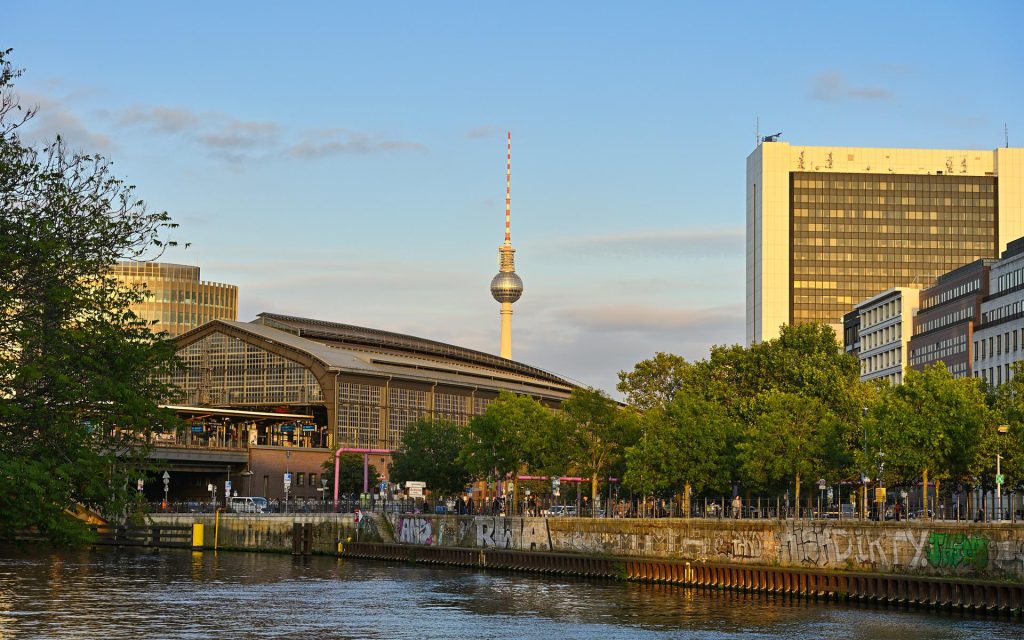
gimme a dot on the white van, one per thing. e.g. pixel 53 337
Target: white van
pixel 240 504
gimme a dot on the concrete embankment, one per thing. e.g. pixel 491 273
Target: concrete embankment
pixel 275 533
pixel 990 551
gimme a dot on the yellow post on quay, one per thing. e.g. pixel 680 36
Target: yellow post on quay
pixel 197 536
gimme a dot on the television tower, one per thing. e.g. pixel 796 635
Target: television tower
pixel 507 287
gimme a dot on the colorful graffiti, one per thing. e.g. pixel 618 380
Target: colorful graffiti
pixel 957 550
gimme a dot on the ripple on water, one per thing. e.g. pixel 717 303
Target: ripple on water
pixel 174 594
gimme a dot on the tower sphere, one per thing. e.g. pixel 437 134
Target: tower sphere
pixel 507 286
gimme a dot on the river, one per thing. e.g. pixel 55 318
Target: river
pixel 180 594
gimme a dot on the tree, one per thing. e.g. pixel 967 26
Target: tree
pixel 688 446
pixel 350 473
pixel 79 373
pixel 1007 400
pixel 788 441
pixel 931 424
pixel 430 452
pixel 595 432
pixel 512 434
pixel 653 382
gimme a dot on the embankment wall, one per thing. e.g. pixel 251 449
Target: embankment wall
pixel 963 550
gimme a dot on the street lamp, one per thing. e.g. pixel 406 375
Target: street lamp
pixel 167 486
pixel 248 473
pixel 1002 430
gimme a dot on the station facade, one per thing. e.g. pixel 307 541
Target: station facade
pixel 340 386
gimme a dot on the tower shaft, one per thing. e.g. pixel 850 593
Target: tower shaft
pixel 506 330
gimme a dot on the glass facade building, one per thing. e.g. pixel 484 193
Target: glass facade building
pixel 177 299
pixel 364 387
pixel 829 227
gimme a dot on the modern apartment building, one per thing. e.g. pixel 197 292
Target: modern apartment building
pixel 828 227
pixel 885 329
pixel 950 310
pixel 178 300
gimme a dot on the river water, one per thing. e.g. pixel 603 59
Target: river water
pixel 180 594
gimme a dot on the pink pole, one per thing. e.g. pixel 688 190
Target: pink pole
pixel 366 466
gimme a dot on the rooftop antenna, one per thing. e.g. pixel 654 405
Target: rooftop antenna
pixel 508 193
pixel 757 131
pixel 1006 136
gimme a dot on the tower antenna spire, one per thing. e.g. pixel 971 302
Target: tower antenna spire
pixel 508 193
pixel 507 286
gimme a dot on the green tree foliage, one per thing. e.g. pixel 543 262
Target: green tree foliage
pixel 1007 401
pixel 690 441
pixel 595 432
pixel 653 383
pixel 430 452
pixel 512 434
pixel 350 474
pixel 78 383
pixel 788 441
pixel 931 424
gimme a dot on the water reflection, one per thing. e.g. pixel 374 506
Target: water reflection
pixel 175 594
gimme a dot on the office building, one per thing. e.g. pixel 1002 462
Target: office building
pixel 999 337
pixel 177 299
pixel 944 325
pixel 885 327
pixel 828 227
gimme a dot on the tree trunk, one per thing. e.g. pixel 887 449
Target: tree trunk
pixel 924 494
pixel 593 495
pixel 937 502
pixel 797 501
pixel 686 500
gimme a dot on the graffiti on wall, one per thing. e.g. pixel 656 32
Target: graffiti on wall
pixel 957 550
pixel 415 531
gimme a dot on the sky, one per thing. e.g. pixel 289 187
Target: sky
pixel 346 162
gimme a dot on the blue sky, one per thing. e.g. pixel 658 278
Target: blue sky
pixel 346 162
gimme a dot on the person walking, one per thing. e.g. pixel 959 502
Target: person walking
pixel 737 506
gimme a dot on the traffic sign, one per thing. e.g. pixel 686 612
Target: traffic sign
pixel 288 481
pixel 999 479
pixel 227 487
pixel 822 484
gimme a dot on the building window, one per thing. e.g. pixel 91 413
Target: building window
pixel 312 479
pixel 300 479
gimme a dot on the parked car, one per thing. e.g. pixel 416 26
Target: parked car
pixel 561 511
pixel 245 504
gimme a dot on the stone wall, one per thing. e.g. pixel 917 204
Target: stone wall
pixel 274 532
pixel 965 550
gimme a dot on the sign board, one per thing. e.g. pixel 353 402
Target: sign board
pixel 197 429
pixel 287 428
pixel 308 427
pixel 140 484
pixel 409 484
pixel 1000 478
pixel 227 487
pixel 879 494
pixel 383 487
pixel 415 492
pixel 822 484
pixel 555 484
pixel 288 481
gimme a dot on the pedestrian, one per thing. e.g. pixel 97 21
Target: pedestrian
pixel 737 506
pixel 981 515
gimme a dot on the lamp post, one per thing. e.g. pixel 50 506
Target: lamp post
pixel 1001 430
pixel 167 486
pixel 248 473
